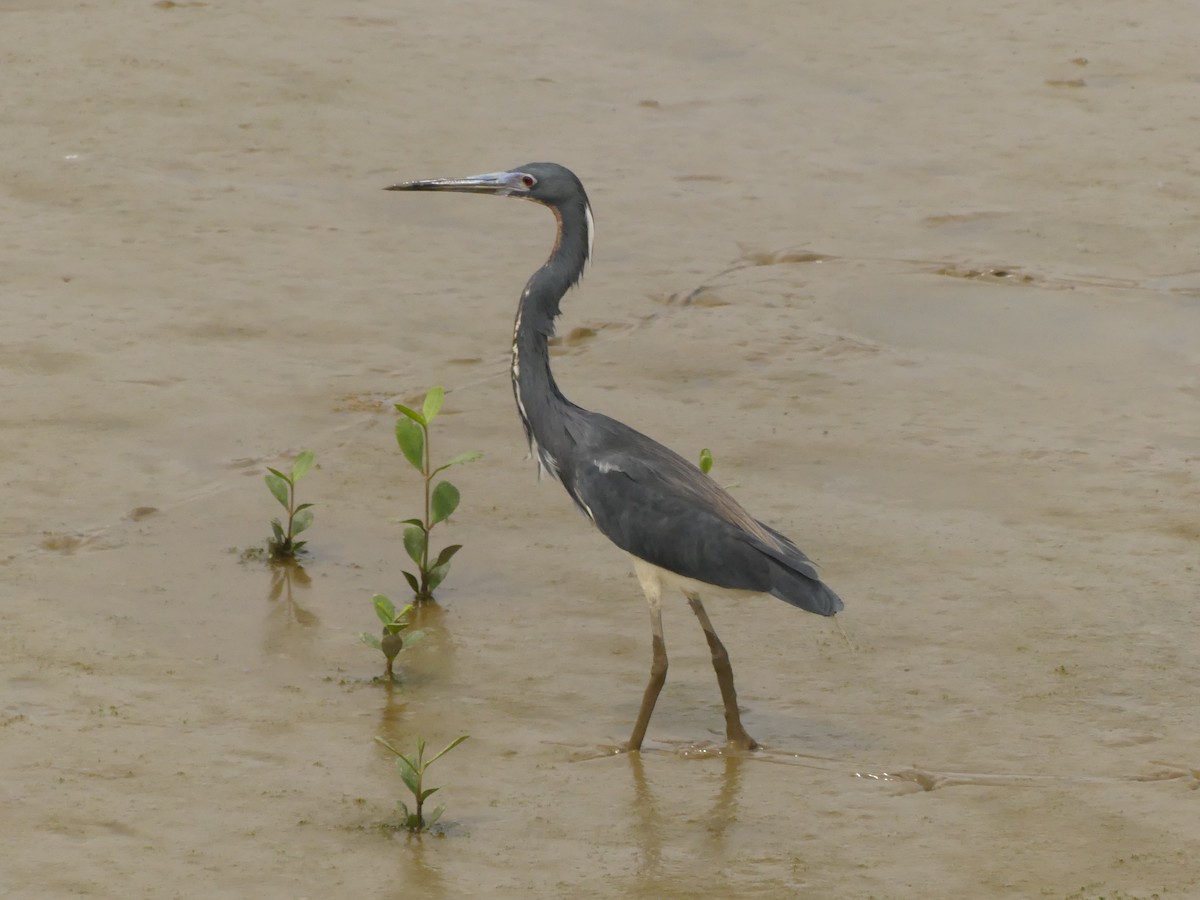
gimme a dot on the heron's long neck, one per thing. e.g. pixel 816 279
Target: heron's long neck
pixel 544 410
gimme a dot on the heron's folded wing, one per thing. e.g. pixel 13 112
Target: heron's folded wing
pixel 672 529
pixel 680 520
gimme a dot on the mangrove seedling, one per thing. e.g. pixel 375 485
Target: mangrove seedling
pixel 441 499
pixel 396 636
pixel 283 545
pixel 706 464
pixel 412 770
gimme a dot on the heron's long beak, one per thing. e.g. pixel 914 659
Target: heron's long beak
pixel 501 183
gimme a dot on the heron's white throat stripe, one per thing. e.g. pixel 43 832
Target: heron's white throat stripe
pixel 579 501
pixel 590 224
pixel 545 462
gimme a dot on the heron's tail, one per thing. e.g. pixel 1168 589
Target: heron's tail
pixel 802 590
pixel 794 577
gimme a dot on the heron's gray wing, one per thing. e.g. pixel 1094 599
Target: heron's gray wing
pixel 674 516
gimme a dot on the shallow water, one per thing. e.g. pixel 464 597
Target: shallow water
pixel 926 285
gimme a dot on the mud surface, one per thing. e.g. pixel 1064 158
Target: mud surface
pixel 926 283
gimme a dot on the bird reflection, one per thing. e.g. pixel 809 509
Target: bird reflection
pixel 650 824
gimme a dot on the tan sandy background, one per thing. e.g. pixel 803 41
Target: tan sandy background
pixel 922 275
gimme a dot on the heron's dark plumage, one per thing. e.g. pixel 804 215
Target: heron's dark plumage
pixel 637 491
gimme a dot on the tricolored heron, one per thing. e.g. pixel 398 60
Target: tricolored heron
pixel 681 528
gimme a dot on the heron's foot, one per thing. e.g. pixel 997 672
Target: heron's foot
pixel 743 742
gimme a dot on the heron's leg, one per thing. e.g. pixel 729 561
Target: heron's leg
pixel 658 664
pixel 658 677
pixel 720 658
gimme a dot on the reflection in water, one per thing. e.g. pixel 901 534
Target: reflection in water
pixel 725 807
pixel 287 620
pixel 283 577
pixel 431 619
pixel 391 715
pixel 427 666
pixel 421 877
pixel 649 824
pixel 422 671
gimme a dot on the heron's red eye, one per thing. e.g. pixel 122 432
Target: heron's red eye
pixel 528 180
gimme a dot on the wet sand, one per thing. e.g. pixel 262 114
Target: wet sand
pixel 926 285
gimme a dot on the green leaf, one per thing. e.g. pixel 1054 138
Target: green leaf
pixel 412 637
pixel 431 819
pixel 391 645
pixel 433 403
pixel 443 502
pixel 416 522
pixel 411 413
pixel 384 608
pixel 279 487
pixel 384 742
pixel 437 575
pixel 446 555
pixel 454 743
pixel 370 640
pixel 706 460
pixel 425 793
pixel 411 438
pixel 469 456
pixel 302 520
pixel 409 773
pixel 303 506
pixel 277 528
pixel 300 467
pixel 414 543
pixel 412 582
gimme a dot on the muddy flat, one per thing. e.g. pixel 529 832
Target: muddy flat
pixel 925 283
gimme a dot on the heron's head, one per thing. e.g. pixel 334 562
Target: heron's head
pixel 547 183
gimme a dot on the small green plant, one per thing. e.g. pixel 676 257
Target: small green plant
pixel 441 499
pixel 284 546
pixel 412 770
pixel 396 636
pixel 706 464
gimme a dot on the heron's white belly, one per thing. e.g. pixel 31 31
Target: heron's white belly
pixel 655 580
